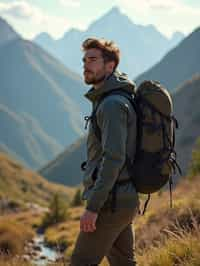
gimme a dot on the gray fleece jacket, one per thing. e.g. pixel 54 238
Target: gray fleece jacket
pixel 116 119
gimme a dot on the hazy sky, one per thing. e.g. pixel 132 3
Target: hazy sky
pixel 30 17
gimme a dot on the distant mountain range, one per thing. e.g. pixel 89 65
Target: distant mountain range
pixel 41 106
pixel 178 65
pixel 185 62
pixel 141 46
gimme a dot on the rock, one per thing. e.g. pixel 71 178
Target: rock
pixel 33 253
pixel 60 258
pixel 50 261
pixel 43 257
pixel 37 248
pixel 26 257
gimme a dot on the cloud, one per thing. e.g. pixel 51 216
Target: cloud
pixel 154 5
pixel 32 19
pixel 70 3
pixel 167 15
pixel 15 9
pixel 21 10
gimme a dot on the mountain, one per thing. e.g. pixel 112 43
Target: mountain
pixel 186 109
pixel 41 102
pixel 44 39
pixel 176 38
pixel 22 136
pixel 7 33
pixel 20 184
pixel 65 168
pixel 141 46
pixel 179 65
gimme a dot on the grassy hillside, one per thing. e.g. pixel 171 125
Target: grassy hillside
pixel 23 185
pixel 164 236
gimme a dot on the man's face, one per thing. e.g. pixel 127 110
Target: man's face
pixel 95 69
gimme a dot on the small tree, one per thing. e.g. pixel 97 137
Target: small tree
pixel 194 168
pixel 77 200
pixel 58 211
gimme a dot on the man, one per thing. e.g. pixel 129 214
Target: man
pixel 104 231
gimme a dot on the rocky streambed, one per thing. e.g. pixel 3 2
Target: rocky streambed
pixel 39 253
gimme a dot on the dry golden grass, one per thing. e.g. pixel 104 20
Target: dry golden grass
pixel 13 237
pixel 29 219
pixel 65 232
pixel 19 183
pixel 164 236
pixel 150 227
pixel 10 261
pixel 181 247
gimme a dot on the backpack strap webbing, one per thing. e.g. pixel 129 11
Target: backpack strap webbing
pixel 146 204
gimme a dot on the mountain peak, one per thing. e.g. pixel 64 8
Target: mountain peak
pixel 71 33
pixel 43 36
pixel 177 35
pixel 113 13
pixel 115 10
pixel 110 18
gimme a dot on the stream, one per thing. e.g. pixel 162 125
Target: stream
pixel 40 254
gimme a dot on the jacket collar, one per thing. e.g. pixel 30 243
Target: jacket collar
pixel 115 81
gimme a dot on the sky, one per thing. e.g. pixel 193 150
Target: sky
pixel 30 17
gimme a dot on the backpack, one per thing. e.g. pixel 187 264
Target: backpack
pixel 155 159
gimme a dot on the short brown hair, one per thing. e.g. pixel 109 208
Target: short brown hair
pixel 109 49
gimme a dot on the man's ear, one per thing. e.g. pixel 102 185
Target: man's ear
pixel 110 66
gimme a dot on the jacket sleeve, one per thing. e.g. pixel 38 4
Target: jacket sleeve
pixel 112 120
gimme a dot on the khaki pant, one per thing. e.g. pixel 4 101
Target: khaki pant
pixel 113 238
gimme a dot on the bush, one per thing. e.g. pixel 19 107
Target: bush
pixel 58 211
pixel 77 200
pixel 194 168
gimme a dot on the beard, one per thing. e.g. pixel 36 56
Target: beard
pixel 94 79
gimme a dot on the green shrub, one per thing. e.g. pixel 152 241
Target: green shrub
pixel 77 200
pixel 58 211
pixel 194 168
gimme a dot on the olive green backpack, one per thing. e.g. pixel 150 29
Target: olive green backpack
pixel 155 160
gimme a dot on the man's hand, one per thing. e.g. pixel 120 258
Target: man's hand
pixel 88 221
